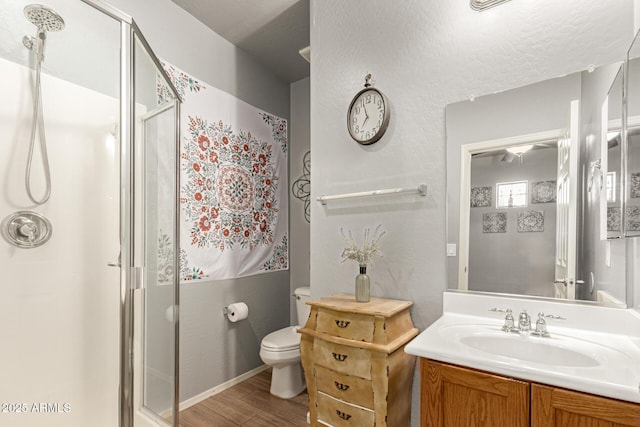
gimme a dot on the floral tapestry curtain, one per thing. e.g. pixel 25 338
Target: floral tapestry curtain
pixel 233 195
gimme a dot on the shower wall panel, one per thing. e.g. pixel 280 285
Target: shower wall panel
pixel 59 302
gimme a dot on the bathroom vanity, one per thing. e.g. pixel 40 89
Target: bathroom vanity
pixel 456 396
pixel 476 371
pixel 356 369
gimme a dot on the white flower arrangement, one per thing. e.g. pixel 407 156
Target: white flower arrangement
pixel 363 256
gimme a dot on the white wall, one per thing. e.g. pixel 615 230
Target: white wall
pixel 212 350
pixel 299 228
pixel 425 55
pixel 58 302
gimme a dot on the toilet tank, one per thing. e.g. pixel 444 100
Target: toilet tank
pixel 302 295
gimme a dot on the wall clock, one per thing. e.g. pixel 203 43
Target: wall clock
pixel 368 114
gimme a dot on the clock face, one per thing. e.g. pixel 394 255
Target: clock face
pixel 368 116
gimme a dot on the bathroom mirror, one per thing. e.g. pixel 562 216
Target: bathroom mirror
pixel 632 172
pixel 605 174
pixel 514 227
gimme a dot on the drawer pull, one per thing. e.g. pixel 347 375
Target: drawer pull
pixel 342 323
pixel 340 386
pixel 343 415
pixel 339 357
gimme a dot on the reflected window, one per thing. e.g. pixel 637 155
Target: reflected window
pixel 511 194
pixel 611 187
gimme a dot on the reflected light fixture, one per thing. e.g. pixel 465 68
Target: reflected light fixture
pixel 520 149
pixel 481 5
pixel 611 136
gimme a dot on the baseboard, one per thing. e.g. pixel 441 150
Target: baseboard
pixel 220 388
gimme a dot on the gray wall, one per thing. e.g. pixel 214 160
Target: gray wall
pixel 299 250
pixel 213 350
pixel 424 55
pixel 538 107
pixel 513 262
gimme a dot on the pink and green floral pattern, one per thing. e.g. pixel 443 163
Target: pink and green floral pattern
pixel 165 258
pixel 181 81
pixel 278 128
pixel 230 189
pixel 279 258
pixel 187 272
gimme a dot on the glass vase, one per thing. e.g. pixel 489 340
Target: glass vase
pixel 363 287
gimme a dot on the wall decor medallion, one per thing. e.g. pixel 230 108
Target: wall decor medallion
pixel 494 222
pixel 635 185
pixel 633 218
pixel 368 114
pixel 530 221
pixel 481 197
pixel 543 192
pixel 301 187
pixel 613 219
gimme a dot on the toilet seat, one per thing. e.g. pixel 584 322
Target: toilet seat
pixel 285 339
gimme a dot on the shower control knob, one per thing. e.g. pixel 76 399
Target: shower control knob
pixel 29 230
pixel 26 229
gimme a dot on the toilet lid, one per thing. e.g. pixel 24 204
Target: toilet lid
pixel 282 340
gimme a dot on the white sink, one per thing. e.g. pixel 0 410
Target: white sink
pixel 532 350
pixel 593 362
pixel 558 350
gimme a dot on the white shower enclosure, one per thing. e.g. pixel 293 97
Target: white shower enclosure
pixel 89 315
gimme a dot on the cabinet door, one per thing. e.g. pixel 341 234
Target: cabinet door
pixel 552 407
pixel 458 397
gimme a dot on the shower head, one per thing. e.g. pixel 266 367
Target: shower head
pixel 44 18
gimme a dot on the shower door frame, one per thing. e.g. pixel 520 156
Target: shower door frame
pixel 131 271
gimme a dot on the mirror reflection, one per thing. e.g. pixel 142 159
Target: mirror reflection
pixel 521 216
pixel 512 219
pixel 610 177
pixel 632 190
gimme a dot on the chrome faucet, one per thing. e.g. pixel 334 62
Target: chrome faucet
pixel 541 326
pixel 508 322
pixel 524 323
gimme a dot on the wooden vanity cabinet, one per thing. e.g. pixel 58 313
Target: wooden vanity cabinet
pixel 455 396
pixel 557 407
pixel 356 370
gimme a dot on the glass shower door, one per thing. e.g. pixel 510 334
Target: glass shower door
pixel 156 112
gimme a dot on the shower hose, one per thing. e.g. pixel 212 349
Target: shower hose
pixel 37 124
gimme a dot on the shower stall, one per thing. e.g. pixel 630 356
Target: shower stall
pixel 88 208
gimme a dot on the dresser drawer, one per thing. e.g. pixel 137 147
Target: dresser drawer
pixel 341 358
pixel 338 414
pixel 356 327
pixel 345 387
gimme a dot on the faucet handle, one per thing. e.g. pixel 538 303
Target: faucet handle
pixel 541 326
pixel 508 321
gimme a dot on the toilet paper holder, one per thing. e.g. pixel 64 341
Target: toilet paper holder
pixel 236 311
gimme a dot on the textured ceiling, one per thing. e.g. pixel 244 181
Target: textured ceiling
pixel 272 31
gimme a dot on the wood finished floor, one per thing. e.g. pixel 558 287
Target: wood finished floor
pixel 248 404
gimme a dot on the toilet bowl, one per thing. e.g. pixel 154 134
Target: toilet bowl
pixel 281 351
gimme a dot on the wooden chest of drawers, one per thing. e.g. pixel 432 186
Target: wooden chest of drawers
pixel 354 362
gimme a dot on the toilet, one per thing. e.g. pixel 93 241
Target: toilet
pixel 281 351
